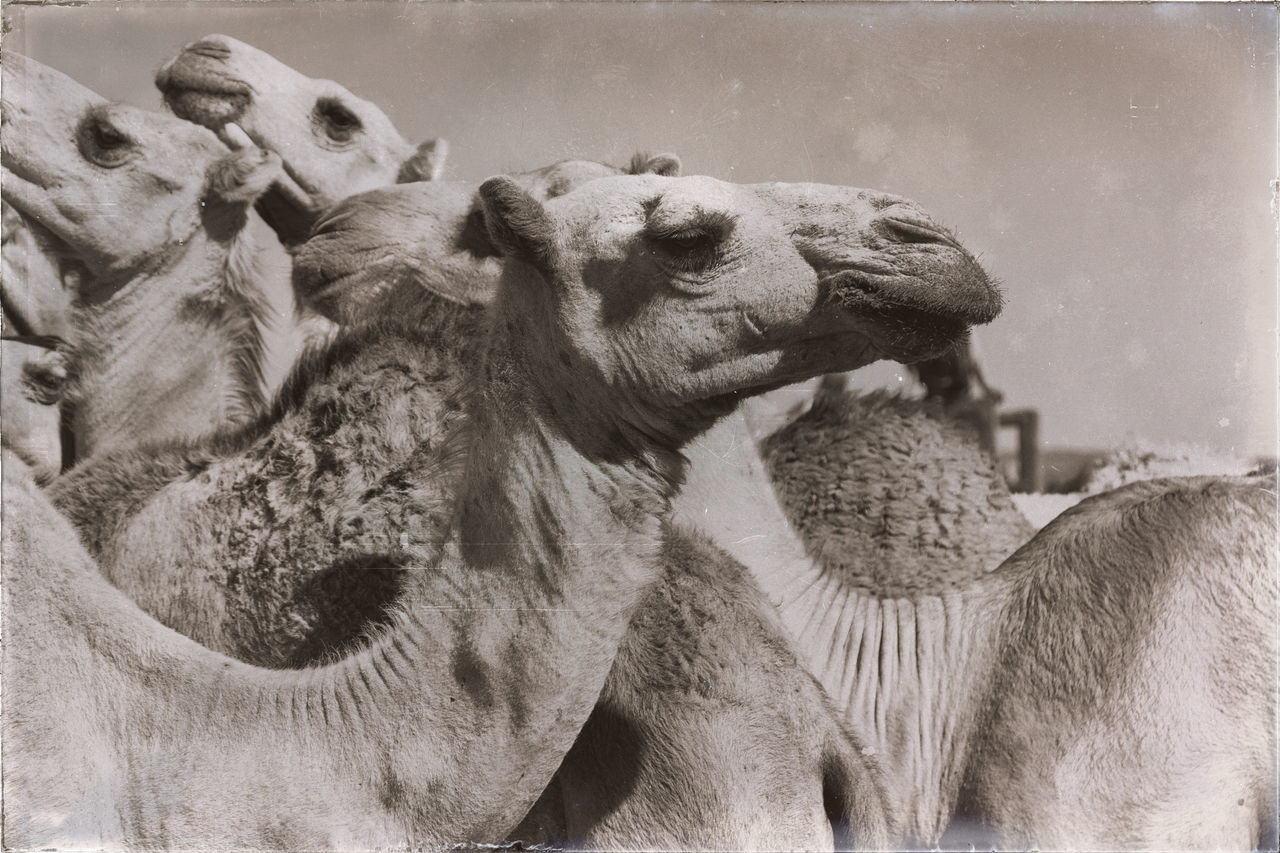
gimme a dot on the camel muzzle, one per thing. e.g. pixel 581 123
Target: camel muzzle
pixel 914 304
pixel 196 86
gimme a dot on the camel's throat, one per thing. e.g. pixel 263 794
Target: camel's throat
pixel 146 366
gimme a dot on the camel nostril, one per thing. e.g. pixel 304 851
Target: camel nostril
pixel 905 230
pixel 210 49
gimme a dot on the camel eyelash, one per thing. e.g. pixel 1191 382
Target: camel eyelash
pixel 337 121
pixel 694 245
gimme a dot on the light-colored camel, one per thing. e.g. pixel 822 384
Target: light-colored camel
pixel 1131 701
pixel 333 143
pixel 165 337
pixel 452 720
pixel 376 518
pixel 929 505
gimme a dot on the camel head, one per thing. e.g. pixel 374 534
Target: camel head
pixel 333 143
pixel 426 235
pixel 664 300
pixel 119 191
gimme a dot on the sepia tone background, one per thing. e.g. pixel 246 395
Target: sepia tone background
pixel 1110 163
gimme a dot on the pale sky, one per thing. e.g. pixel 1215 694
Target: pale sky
pixel 1110 163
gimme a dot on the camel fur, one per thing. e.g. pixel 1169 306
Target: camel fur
pixel 1131 695
pixel 272 554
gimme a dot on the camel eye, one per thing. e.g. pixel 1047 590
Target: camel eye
pixel 336 121
pixel 690 249
pixel 103 143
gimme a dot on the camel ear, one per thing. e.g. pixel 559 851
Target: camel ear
pixel 667 165
pixel 232 186
pixel 517 223
pixel 426 164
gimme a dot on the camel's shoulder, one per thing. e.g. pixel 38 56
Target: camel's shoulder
pixel 704 631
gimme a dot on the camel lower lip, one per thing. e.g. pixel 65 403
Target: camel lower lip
pixel 211 109
pixel 955 293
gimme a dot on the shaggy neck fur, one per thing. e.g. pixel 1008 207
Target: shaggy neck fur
pixel 174 353
pixel 900 648
pixel 492 661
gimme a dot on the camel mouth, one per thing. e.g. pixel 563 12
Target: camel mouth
pixel 196 89
pixel 288 211
pixel 210 109
pixel 910 318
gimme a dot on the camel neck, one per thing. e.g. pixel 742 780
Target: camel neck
pixel 173 354
pixel 499 648
pixel 903 667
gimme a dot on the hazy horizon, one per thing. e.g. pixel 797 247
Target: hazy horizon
pixel 1110 163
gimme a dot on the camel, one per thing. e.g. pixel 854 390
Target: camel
pixel 374 518
pixel 569 459
pixel 333 143
pixel 889 452
pixel 753 527
pixel 165 336
pixel 909 522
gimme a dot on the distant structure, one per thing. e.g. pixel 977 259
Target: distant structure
pixel 954 379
